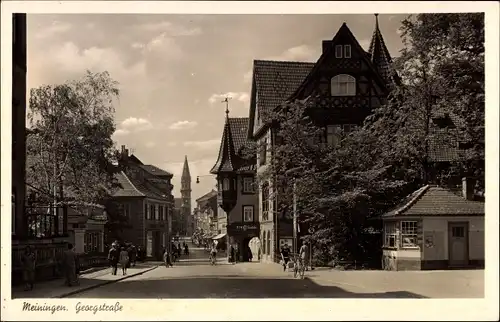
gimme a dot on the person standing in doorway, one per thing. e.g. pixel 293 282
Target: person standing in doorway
pixel 231 254
pixel 28 261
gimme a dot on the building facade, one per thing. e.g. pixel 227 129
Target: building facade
pixel 420 236
pixel 344 86
pixel 237 197
pixel 144 195
pixel 205 213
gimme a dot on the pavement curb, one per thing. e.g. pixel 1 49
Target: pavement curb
pixel 102 284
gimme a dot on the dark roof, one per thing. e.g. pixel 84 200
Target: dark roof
pixel 276 81
pixel 185 169
pixel 436 201
pixel 226 160
pixel 154 170
pixel 381 58
pixel 239 129
pixel 125 188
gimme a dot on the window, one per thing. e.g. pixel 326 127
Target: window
pixel 343 85
pixel 348 128
pixel 409 234
pixel 146 210
pixel 157 212
pixel 338 51
pixel 390 234
pixel 265 201
pixel 263 152
pixel 347 51
pixel 92 242
pixel 225 184
pixel 333 135
pixel 248 213
pixel 126 210
pixel 264 242
pixel 458 232
pixel 248 185
pixel 160 210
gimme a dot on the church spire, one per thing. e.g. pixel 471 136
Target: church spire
pixel 185 171
pixel 380 56
pixel 227 156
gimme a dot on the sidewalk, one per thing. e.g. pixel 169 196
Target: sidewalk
pixel 93 279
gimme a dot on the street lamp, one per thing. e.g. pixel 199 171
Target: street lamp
pixel 207 175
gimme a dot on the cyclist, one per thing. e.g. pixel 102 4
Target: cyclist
pixel 285 256
pixel 213 254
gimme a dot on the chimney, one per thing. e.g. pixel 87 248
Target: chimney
pixel 468 185
pixel 326 44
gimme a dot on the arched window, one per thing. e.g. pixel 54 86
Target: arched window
pixel 268 243
pixel 225 184
pixel 343 85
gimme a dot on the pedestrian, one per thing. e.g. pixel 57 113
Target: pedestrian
pixel 71 266
pixel 124 258
pixel 231 254
pixel 28 261
pixel 132 252
pixel 113 257
pixel 249 251
pixel 166 258
pixel 236 253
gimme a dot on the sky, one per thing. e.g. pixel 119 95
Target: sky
pixel 174 70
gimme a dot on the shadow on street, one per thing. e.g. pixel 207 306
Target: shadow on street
pixel 230 286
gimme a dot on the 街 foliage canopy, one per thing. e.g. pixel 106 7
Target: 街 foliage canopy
pixel 342 190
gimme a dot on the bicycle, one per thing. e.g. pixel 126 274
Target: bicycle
pixel 299 268
pixel 212 259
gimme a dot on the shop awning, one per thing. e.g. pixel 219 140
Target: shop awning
pixel 219 236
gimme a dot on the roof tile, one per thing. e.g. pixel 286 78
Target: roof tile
pixel 435 201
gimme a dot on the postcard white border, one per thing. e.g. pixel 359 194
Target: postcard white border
pixel 267 309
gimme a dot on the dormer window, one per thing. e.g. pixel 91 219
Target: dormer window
pixel 343 51
pixel 343 85
pixel 225 184
pixel 347 51
pixel 338 51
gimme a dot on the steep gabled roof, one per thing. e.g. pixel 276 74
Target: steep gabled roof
pixel 273 82
pixel 226 160
pixel 344 31
pixel 381 58
pixel 125 187
pixel 154 170
pixel 436 201
pixel 239 128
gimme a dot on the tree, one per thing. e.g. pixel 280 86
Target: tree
pixel 336 197
pixel 69 145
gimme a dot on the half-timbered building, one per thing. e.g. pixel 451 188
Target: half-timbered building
pixel 345 85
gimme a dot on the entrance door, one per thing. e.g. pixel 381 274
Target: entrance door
pixel 246 249
pixel 458 244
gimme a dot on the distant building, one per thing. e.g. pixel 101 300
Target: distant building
pixel 237 197
pixel 144 194
pixel 205 213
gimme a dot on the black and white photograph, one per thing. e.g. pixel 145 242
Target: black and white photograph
pixel 248 155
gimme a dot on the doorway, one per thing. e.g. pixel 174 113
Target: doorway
pixel 245 251
pixel 458 244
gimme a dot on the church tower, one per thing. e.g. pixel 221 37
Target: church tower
pixel 186 197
